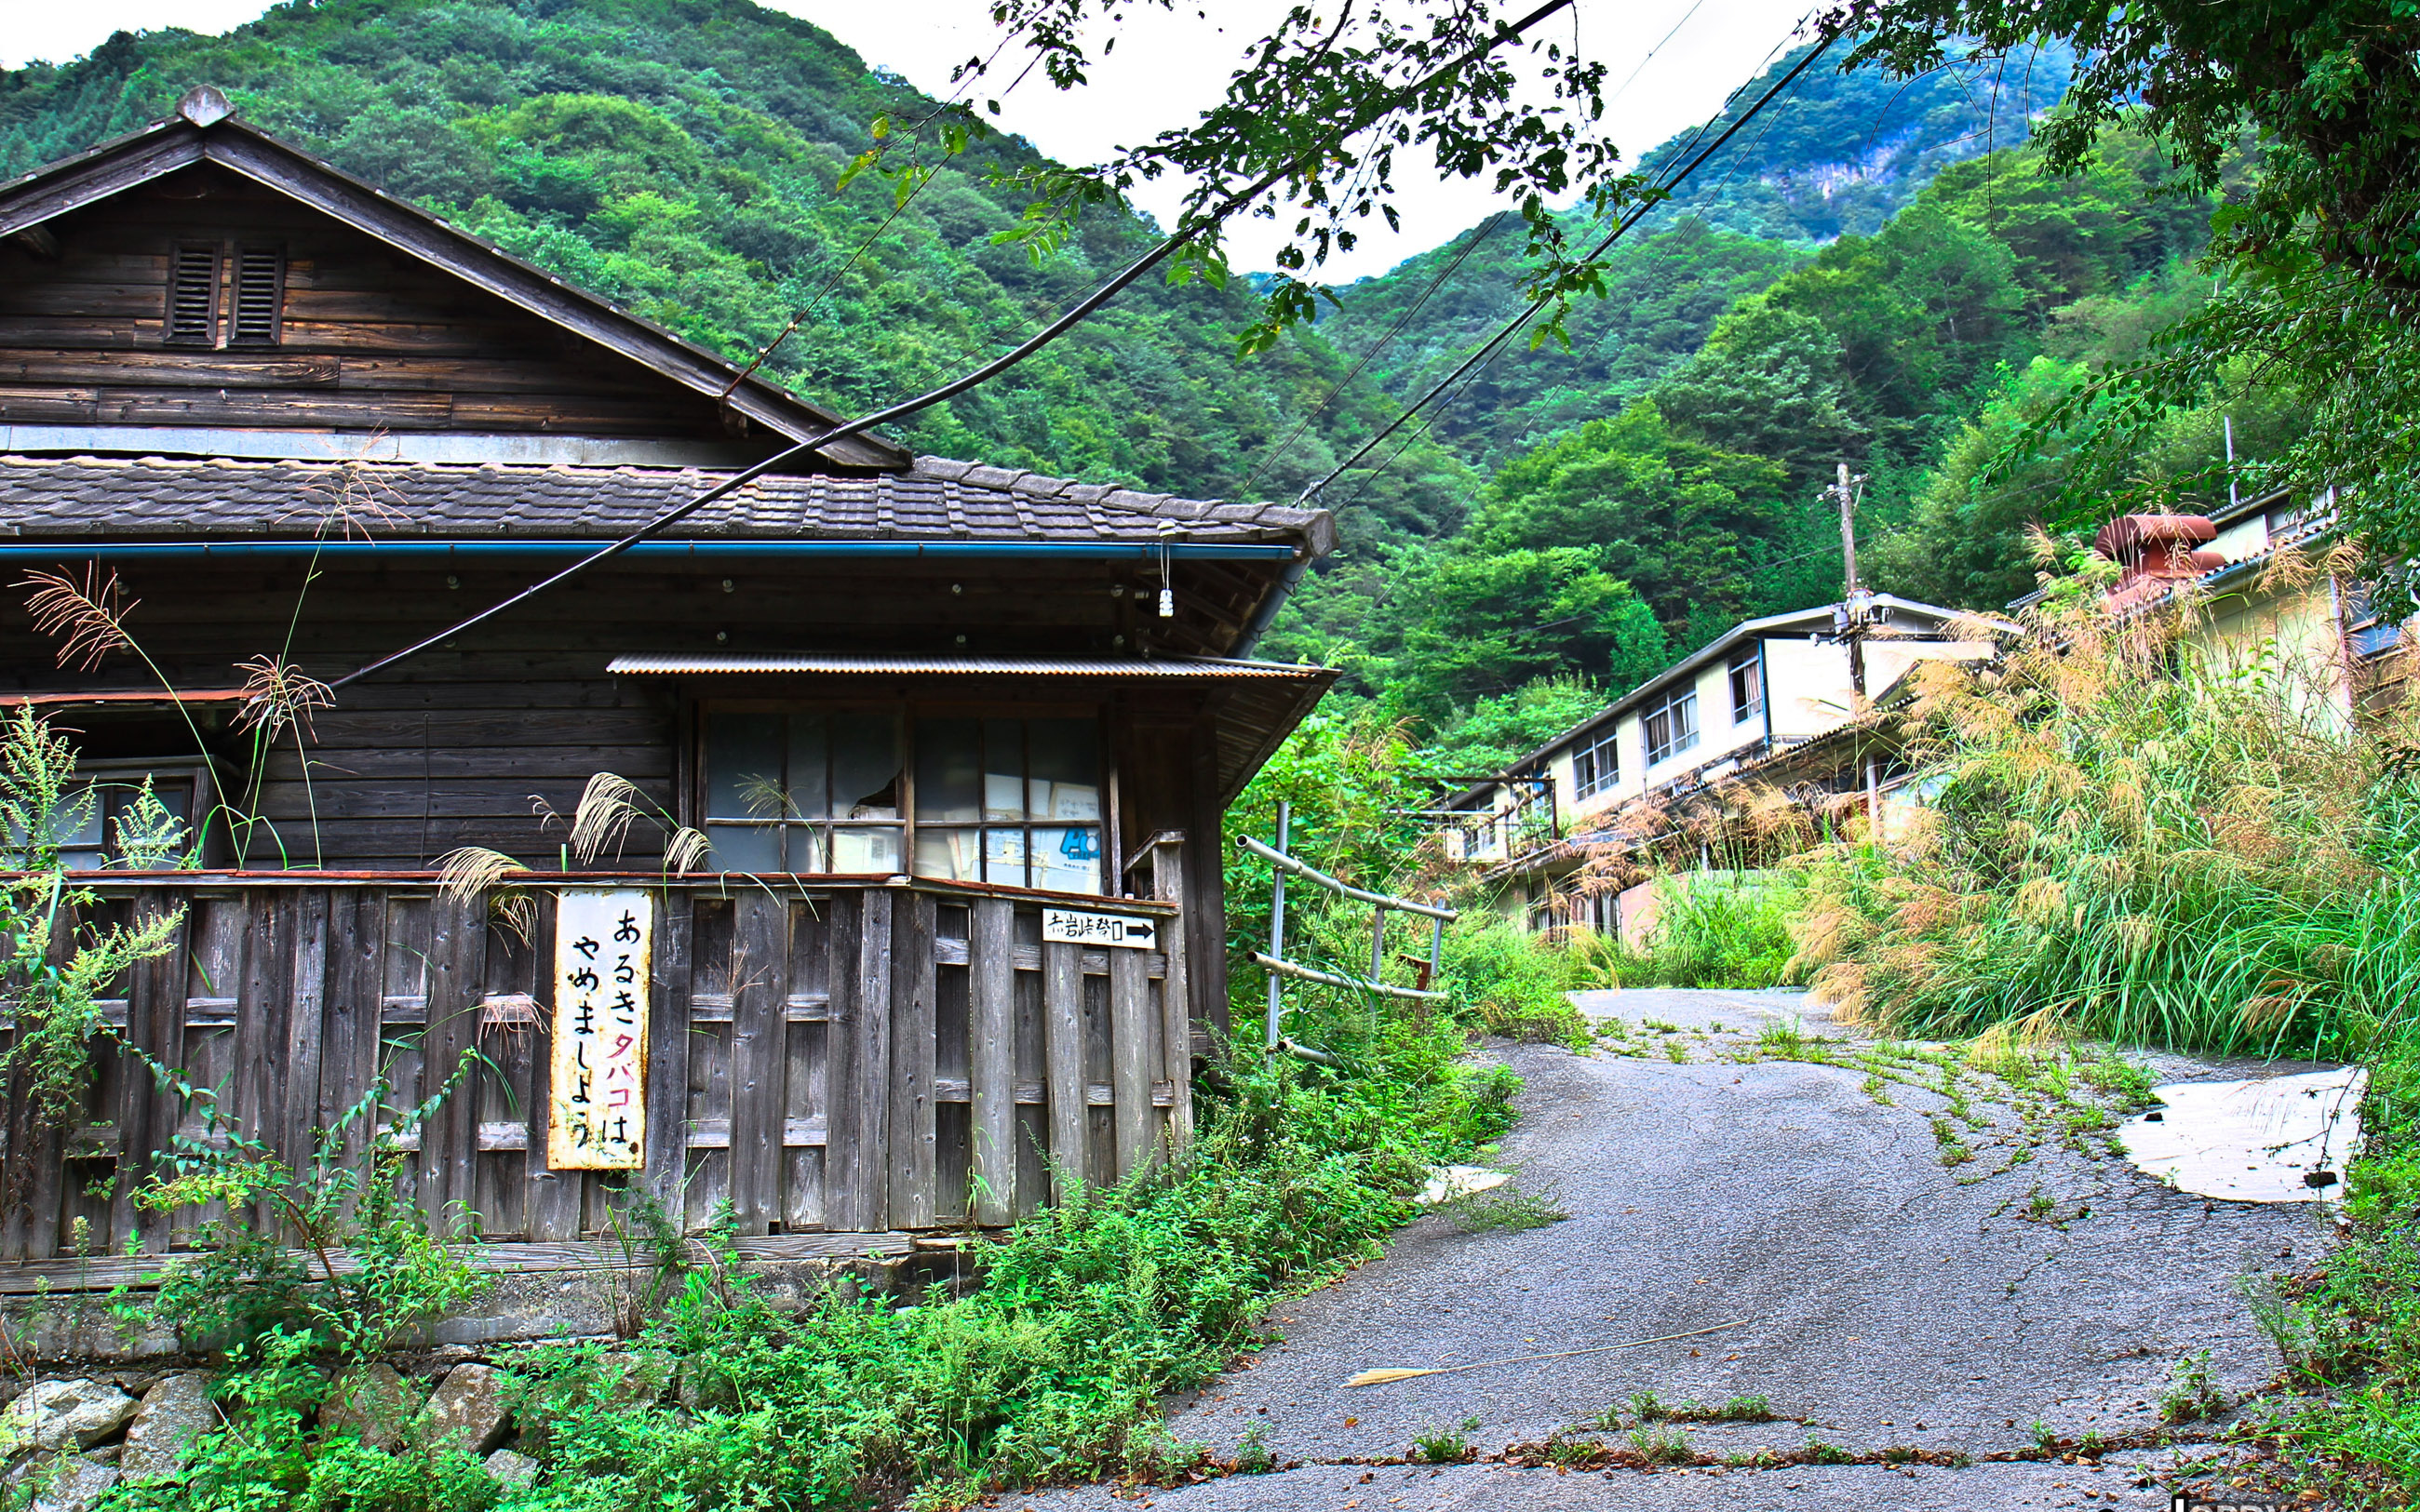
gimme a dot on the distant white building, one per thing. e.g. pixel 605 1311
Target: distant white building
pixel 1763 689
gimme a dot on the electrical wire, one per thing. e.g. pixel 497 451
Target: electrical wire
pixel 1068 321
pixel 1621 228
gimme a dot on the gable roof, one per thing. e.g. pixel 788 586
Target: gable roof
pixel 216 499
pixel 205 131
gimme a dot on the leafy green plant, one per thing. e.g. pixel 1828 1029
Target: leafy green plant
pixel 1711 929
pixel 1252 1456
pixel 351 1200
pixel 2192 1393
pixel 1445 1447
pixel 1661 1446
pixel 57 967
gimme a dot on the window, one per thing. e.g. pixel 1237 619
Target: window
pixel 104 820
pixel 1597 765
pixel 1747 684
pixel 1007 800
pixel 1672 723
pixel 241 290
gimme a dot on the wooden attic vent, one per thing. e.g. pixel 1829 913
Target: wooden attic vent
pixel 194 295
pixel 259 296
pixel 252 296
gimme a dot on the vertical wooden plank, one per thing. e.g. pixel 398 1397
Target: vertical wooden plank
pixel 991 1038
pixel 667 1052
pixel 915 1151
pixel 760 992
pixel 305 1028
pixel 255 1077
pixel 871 1171
pixel 155 1003
pixel 349 1050
pixel 1175 994
pixel 449 1150
pixel 806 1099
pixel 1207 853
pixel 1131 1042
pixel 1063 1031
pixel 844 1080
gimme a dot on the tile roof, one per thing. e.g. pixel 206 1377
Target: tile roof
pixel 172 499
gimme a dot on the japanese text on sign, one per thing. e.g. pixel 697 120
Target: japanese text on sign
pixel 1098 929
pixel 599 1114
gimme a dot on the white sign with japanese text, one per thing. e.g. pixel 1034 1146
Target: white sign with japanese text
pixel 1065 924
pixel 603 939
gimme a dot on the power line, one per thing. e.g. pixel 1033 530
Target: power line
pixel 1485 229
pixel 1075 315
pixel 1539 304
pixel 1469 245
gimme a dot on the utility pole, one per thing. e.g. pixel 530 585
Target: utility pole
pixel 1856 612
pixel 1853 620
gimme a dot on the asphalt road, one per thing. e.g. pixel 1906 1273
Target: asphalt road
pixel 1881 1299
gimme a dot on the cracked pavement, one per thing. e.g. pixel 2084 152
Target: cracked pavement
pixel 1881 1297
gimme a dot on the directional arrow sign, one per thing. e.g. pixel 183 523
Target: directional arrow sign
pixel 1065 924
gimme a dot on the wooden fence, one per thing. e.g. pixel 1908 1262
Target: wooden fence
pixel 827 1058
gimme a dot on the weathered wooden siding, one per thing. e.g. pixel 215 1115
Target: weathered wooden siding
pixel 855 1060
pixel 372 339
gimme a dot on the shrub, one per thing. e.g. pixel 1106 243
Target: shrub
pixel 1711 929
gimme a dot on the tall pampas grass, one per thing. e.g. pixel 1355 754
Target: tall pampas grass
pixel 2139 838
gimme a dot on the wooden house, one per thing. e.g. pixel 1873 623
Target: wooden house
pixel 959 736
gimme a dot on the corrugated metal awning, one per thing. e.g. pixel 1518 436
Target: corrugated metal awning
pixel 718 664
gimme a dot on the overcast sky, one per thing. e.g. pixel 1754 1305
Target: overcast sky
pixel 1166 67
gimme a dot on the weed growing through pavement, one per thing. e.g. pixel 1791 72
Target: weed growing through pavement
pixel 1445 1447
pixel 1252 1456
pixel 1508 1208
pixel 1661 1446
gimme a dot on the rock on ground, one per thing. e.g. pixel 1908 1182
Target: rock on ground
pixel 372 1403
pixel 63 1483
pixel 468 1411
pixel 54 1414
pixel 174 1413
pixel 517 1471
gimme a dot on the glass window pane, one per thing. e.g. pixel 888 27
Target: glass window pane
pixel 743 766
pixel 1004 856
pixel 866 850
pixel 810 753
pixel 948 770
pixel 745 847
pixel 1003 795
pixel 865 769
pixel 1066 776
pixel 952 854
pixel 1068 859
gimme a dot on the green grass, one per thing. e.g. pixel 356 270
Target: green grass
pixel 1711 930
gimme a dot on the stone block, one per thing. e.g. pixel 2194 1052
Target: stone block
pixel 59 1414
pixel 176 1411
pixel 468 1411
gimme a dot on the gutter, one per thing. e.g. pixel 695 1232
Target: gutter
pixel 780 548
pixel 1270 605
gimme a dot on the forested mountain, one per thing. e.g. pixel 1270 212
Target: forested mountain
pixel 1837 153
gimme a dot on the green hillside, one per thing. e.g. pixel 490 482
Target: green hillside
pixel 1837 154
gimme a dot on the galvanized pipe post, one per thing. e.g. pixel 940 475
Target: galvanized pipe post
pixel 1277 922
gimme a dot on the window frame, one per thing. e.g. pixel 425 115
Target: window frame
pixel 907 711
pixel 197 778
pixel 1602 772
pixel 1680 697
pixel 1750 661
